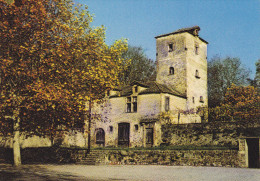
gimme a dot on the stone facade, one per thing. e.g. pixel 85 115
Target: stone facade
pixel 131 115
pixel 186 53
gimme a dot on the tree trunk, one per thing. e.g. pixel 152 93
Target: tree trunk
pixel 89 128
pixel 16 142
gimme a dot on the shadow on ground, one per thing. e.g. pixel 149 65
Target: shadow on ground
pixel 31 172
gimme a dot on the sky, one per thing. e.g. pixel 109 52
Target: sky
pixel 232 27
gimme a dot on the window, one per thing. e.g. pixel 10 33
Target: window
pixel 167 103
pixel 136 89
pixel 135 104
pixel 201 99
pixel 193 100
pixel 196 49
pixel 134 99
pixel 111 129
pixel 128 104
pixel 128 99
pixel 131 104
pixel 108 93
pixel 136 127
pixel 170 48
pixel 171 71
pixel 197 75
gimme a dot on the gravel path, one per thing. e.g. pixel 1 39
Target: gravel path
pixel 126 172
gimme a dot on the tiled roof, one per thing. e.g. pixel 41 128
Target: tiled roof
pixel 151 88
pixel 189 30
pixel 155 87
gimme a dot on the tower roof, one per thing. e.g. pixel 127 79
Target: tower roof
pixel 192 30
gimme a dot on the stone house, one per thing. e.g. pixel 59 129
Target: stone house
pixel 132 115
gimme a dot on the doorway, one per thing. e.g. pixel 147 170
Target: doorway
pixel 253 152
pixel 123 134
pixel 149 137
pixel 100 137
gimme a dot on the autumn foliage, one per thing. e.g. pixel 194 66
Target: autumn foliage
pixel 240 104
pixel 51 62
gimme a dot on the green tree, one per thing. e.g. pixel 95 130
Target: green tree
pixel 141 68
pixel 51 63
pixel 256 81
pixel 222 73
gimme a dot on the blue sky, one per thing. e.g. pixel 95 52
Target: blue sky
pixel 232 27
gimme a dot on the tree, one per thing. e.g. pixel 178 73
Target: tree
pixel 257 74
pixel 222 73
pixel 245 102
pixel 240 103
pixel 51 62
pixel 256 81
pixel 141 68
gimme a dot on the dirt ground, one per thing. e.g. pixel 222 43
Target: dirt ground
pixel 125 172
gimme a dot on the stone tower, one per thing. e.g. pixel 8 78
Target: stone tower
pixel 182 64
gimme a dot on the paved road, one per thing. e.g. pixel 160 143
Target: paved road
pixel 126 172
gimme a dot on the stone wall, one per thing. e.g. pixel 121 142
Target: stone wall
pixel 207 134
pixel 228 158
pixel 44 155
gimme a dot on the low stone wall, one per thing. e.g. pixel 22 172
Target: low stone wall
pixel 208 134
pixel 44 155
pixel 227 158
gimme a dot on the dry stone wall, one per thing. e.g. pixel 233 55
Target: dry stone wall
pixel 224 134
pixel 228 158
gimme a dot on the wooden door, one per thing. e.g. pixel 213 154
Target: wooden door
pixel 149 137
pixel 253 152
pixel 100 137
pixel 123 134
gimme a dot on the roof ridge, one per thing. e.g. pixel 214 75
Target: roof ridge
pixel 157 84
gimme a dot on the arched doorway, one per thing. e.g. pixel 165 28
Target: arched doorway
pixel 100 137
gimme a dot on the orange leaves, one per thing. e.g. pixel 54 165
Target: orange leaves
pixel 53 61
pixel 240 103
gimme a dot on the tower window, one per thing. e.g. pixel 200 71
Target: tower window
pixel 171 71
pixel 193 100
pixel 197 74
pixel 201 99
pixel 170 48
pixel 196 49
pixel 167 103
